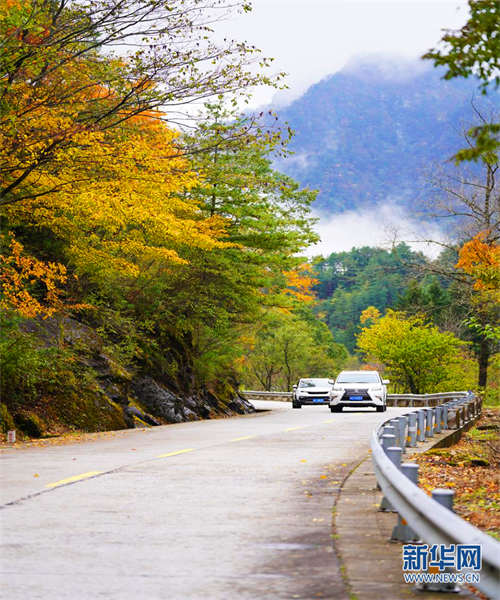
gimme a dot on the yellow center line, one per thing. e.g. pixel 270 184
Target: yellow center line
pixel 330 421
pixel 175 453
pixel 294 428
pixel 246 437
pixel 74 478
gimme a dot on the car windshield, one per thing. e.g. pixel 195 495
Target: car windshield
pixel 306 383
pixel 358 378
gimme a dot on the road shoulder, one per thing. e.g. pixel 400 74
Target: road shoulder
pixel 371 563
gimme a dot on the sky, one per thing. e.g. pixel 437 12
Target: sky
pixel 311 39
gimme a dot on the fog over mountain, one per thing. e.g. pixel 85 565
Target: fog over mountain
pixel 369 134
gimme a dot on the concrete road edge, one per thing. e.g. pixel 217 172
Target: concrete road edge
pixel 370 563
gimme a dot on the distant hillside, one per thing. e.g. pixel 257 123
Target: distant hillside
pixel 368 133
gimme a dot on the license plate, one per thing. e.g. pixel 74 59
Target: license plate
pixel 355 397
pixel 318 400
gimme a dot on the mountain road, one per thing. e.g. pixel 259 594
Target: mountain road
pixel 237 508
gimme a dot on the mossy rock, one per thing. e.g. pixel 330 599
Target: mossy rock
pixel 90 412
pixel 118 372
pixel 6 420
pixel 30 424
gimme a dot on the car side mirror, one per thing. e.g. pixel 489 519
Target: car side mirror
pixel 385 381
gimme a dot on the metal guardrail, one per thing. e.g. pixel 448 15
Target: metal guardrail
pixel 423 399
pixel 257 395
pixel 264 393
pixel 427 519
pixel 392 399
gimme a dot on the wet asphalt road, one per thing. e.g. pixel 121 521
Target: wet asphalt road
pixel 236 508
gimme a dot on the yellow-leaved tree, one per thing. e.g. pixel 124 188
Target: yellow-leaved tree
pixel 123 213
pixel 418 357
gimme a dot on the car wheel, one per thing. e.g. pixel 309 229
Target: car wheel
pixel 296 405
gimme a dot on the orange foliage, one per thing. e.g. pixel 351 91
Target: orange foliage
pixel 19 274
pixel 300 283
pixel 369 314
pixel 481 260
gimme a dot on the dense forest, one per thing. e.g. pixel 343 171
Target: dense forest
pixel 150 270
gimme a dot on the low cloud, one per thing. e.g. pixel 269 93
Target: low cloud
pixel 380 226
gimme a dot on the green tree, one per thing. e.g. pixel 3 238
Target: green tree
pixel 419 358
pixel 288 347
pixel 475 50
pixel 205 309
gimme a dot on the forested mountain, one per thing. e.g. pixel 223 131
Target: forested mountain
pixel 370 132
pixel 349 282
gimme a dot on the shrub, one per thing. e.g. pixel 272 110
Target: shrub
pixel 30 424
pixel 6 420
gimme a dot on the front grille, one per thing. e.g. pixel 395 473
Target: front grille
pixel 352 392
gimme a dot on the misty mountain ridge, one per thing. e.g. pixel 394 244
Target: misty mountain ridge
pixel 371 132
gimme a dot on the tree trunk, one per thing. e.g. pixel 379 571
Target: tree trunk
pixel 483 358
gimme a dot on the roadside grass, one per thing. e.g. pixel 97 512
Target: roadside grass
pixel 470 467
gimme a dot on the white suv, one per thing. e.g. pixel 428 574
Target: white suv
pixel 359 388
pixel 312 391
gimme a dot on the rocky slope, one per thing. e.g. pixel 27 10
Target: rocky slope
pixel 109 395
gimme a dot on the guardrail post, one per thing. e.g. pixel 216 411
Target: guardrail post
pixel 387 441
pixel 412 430
pixel 395 423
pixel 402 422
pixel 445 416
pixel 437 421
pixel 402 532
pixel 444 496
pixel 389 429
pixel 429 427
pixel 394 455
pixel 421 425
